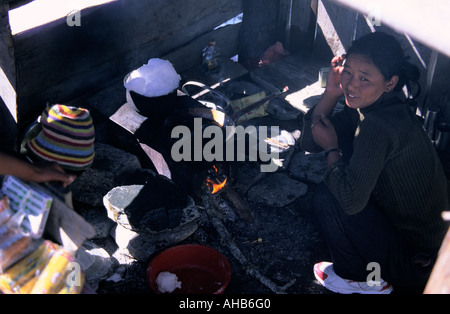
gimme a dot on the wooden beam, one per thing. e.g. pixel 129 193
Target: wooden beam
pixel 424 21
pixel 336 24
pixel 17 3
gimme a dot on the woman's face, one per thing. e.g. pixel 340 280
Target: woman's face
pixel 362 82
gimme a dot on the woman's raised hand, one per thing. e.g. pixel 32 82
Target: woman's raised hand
pixel 333 87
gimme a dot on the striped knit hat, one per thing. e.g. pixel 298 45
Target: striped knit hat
pixel 67 138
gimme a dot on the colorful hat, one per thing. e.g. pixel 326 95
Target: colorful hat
pixel 67 137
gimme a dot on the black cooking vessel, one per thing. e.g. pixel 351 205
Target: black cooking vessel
pixel 161 106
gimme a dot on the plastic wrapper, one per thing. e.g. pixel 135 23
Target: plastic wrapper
pixel 21 277
pixel 239 104
pixel 5 210
pixel 57 276
pixel 13 243
pixel 28 263
pixel 47 270
pixel 34 203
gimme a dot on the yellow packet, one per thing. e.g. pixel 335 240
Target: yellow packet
pixel 239 104
pixel 20 277
pixel 53 279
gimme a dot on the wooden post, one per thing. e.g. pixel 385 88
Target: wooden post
pixel 285 22
pixel 259 29
pixel 297 21
pixel 8 108
pixel 439 281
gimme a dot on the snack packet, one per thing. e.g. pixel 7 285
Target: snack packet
pixel 55 276
pixel 13 242
pixel 5 210
pixel 22 276
pixel 35 204
pixel 46 270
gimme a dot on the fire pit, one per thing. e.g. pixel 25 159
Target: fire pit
pixel 149 216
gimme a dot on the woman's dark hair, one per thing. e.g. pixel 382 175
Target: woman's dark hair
pixel 387 55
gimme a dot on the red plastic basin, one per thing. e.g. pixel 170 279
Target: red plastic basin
pixel 201 269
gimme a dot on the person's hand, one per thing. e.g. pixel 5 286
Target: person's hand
pixel 333 87
pixel 46 172
pixel 324 133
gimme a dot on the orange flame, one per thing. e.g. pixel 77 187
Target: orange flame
pixel 214 182
pixel 216 187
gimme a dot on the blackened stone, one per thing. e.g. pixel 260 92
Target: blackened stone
pixel 154 206
pixel 109 167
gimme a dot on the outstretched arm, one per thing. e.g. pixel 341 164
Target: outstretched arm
pixel 322 129
pixel 10 165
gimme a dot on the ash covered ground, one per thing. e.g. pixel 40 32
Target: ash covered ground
pixel 281 243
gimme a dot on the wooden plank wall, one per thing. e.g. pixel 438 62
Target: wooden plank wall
pixel 297 24
pixel 57 63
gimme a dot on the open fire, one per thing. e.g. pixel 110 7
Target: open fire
pixel 215 180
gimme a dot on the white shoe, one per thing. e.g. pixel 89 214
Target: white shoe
pixel 324 273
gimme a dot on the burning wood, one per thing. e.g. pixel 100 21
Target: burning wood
pixel 239 205
pixel 216 182
pixel 216 187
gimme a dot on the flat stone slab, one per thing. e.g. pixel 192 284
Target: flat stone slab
pixel 277 190
pixel 310 167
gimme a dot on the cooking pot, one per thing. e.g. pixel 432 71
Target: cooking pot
pixel 160 106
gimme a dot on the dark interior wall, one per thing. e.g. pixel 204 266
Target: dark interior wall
pixel 57 63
